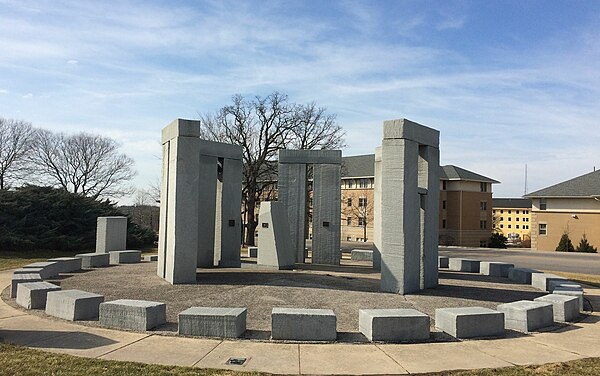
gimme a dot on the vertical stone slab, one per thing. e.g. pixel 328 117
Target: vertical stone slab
pixel 207 202
pixel 111 234
pixel 231 204
pixel 291 190
pixel 274 237
pixel 218 217
pixel 377 212
pixel 164 215
pixel 429 179
pixel 326 214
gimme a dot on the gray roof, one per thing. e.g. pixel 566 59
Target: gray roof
pixel 364 165
pixel 523 203
pixel 587 185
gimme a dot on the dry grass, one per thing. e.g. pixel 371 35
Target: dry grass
pixel 588 279
pixel 13 260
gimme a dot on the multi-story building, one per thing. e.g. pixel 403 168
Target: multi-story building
pixel 571 207
pixel 512 218
pixel 465 203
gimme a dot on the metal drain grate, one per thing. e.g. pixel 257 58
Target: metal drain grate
pixel 236 361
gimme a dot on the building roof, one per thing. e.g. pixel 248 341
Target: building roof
pixel 364 166
pixel 521 203
pixel 587 185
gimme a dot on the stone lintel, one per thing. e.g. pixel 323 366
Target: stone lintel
pixel 310 156
pixel 404 128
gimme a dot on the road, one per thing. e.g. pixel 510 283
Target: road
pixel 586 263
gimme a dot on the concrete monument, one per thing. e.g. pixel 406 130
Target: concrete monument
pixel 274 237
pixel 111 234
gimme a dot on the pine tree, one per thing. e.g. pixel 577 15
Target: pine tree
pixel 585 246
pixel 565 244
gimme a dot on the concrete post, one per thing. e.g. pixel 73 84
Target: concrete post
pixel 429 176
pixel 111 234
pixel 377 212
pixel 274 236
pixel 207 202
pixel 291 190
pixel 326 214
pixel 231 218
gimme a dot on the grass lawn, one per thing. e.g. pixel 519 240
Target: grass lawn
pixel 588 279
pixel 18 360
pixel 13 260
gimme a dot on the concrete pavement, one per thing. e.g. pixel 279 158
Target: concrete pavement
pixel 576 341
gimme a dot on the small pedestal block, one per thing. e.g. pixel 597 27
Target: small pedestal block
pixel 495 269
pixel 133 314
pixel 67 264
pixel 569 291
pixel 93 260
pixel 125 257
pixel 521 275
pixel 393 325
pixel 464 265
pixel 50 269
pixel 542 280
pixel 22 278
pixel 73 304
pixel 149 258
pixel 32 295
pixel 213 322
pixel 303 324
pixel 361 255
pixel 470 322
pixel 526 316
pixel 565 308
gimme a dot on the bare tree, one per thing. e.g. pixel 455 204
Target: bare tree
pixel 359 204
pixel 16 138
pixel 262 126
pixel 87 164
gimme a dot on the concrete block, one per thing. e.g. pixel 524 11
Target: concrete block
pixel 125 257
pixel 568 291
pixel 521 275
pixel 32 295
pixel 326 226
pixel 274 237
pixel 50 268
pixel 495 269
pixel 565 308
pixel 231 218
pixel 464 265
pixel 361 255
pixel 67 264
pixel 310 156
pixel 560 283
pixel 39 271
pixel 133 314
pixel 22 278
pixel 73 304
pixel 303 324
pixel 526 316
pixel 470 322
pixel 292 188
pixel 253 251
pixel 407 129
pixel 93 260
pixel 150 258
pixel 443 262
pixel 111 234
pixel 542 280
pixel 181 128
pixel 213 322
pixel 393 324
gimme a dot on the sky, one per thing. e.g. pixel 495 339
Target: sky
pixel 507 83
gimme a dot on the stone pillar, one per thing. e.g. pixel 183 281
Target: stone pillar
pixel 409 199
pixel 326 214
pixel 274 239
pixel 218 219
pixel 291 191
pixel 231 218
pixel 207 202
pixel 377 212
pixel 111 234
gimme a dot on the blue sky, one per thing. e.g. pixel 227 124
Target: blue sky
pixel 507 83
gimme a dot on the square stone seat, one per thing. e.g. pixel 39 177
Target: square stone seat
pixel 526 316
pixel 393 325
pixel 560 283
pixel 213 322
pixel 565 308
pixel 133 314
pixel 301 324
pixel 67 264
pixel 149 258
pixel 470 322
pixel 39 271
pixel 50 269
pixel 495 269
pixel 93 260
pixel 361 255
pixel 542 280
pixel 522 275
pixel 464 265
pixel 443 262
pixel 252 251
pixel 125 257
pixel 73 304
pixel 22 278
pixel 569 291
pixel 32 295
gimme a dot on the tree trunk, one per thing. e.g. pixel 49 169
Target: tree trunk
pixel 251 224
pixel 365 232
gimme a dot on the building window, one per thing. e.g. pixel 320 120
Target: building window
pixel 483 225
pixel 362 202
pixel 363 183
pixel 517 227
pixel 501 226
pixel 349 201
pixel 483 243
pixel 444 185
pixel 517 219
pixel 443 223
pixel 349 221
pixel 443 204
pixel 509 226
pixel 509 219
pixel 517 212
pixel 543 229
pixel 501 211
pixel 501 218
pixel 350 183
pixel 483 187
pixel 362 221
pixel 483 205
pixel 349 238
pixel 510 212
pixel 542 204
pixel 493 211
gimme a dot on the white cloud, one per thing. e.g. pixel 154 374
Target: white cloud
pixel 72 62
pixel 3 91
pixel 27 96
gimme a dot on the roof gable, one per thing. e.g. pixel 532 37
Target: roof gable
pixel 587 185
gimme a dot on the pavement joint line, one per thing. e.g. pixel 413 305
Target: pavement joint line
pixel 205 355
pixel 393 360
pixel 559 348
pixel 10 317
pixel 125 345
pixel 472 345
pixel 299 363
